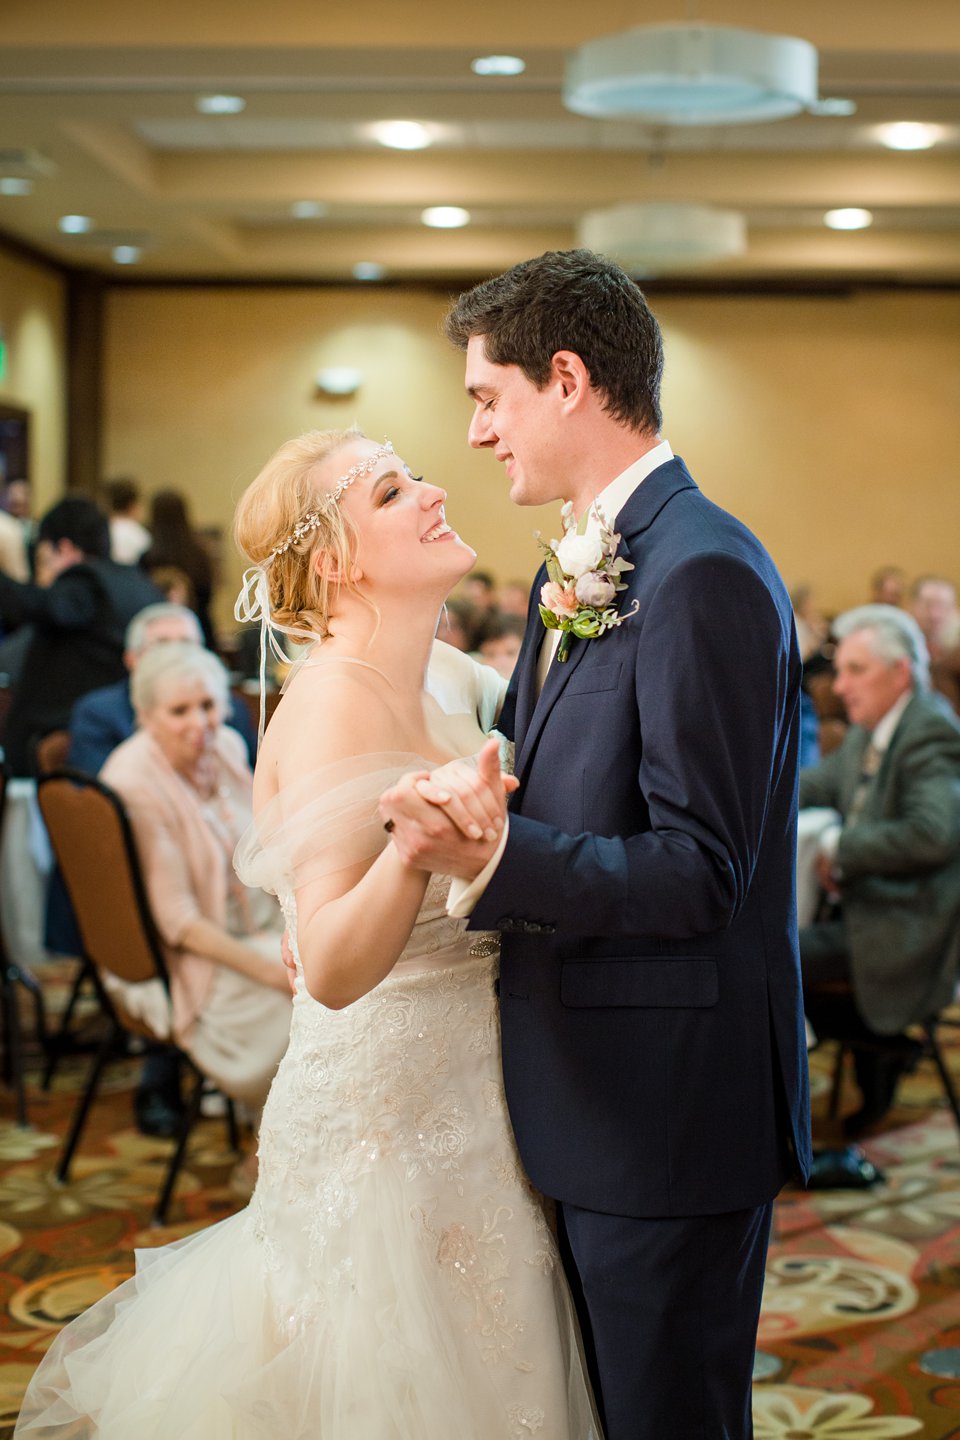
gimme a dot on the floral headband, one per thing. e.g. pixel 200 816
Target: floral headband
pixel 253 602
pixel 312 520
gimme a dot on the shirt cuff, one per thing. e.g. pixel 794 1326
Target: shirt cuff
pixel 464 894
pixel 830 841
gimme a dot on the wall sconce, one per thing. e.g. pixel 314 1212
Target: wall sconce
pixel 338 381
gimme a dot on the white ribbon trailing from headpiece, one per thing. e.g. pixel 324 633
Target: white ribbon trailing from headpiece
pixel 253 606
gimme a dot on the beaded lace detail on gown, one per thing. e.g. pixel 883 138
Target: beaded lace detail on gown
pixel 394 1277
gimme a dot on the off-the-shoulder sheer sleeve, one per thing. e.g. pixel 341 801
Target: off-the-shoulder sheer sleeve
pixel 321 823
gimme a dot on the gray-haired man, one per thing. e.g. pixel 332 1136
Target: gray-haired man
pixel 893 862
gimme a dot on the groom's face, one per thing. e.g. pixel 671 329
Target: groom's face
pixel 519 423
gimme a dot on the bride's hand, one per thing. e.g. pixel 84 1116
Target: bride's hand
pixel 471 795
pixel 456 798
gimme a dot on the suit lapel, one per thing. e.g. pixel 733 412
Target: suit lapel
pixel 637 515
pixel 527 665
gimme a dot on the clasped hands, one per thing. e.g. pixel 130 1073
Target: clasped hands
pixel 450 820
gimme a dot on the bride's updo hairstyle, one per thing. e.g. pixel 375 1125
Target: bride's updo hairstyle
pixel 279 500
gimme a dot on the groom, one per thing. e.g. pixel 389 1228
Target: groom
pixel 653 1043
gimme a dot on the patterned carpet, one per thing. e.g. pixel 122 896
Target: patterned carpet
pixel 860 1335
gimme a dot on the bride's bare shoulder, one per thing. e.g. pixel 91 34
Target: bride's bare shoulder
pixel 332 713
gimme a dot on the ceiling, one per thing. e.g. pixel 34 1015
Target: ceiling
pixel 98 111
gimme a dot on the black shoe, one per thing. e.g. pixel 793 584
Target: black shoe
pixel 847 1169
pixel 157 1114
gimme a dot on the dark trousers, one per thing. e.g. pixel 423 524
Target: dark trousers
pixel 825 968
pixel 669 1311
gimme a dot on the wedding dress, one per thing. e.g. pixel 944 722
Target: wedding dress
pixel 394 1276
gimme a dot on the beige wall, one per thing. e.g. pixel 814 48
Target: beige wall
pixel 829 425
pixel 32 317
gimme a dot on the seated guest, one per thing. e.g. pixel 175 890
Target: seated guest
pixel 129 538
pixel 499 641
pixel 892 863
pixel 78 623
pixel 99 722
pixel 104 718
pixel 888 586
pixel 187 788
pixel 933 604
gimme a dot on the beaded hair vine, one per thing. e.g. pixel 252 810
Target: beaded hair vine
pixel 312 520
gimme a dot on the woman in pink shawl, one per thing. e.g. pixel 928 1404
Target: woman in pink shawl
pixel 186 784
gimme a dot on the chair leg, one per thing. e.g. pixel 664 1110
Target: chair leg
pixel 233 1129
pixel 57 1043
pixel 190 1115
pixel 83 1109
pixel 13 1045
pixel 837 1083
pixel 936 1054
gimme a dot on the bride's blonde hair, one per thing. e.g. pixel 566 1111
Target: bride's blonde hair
pixel 302 593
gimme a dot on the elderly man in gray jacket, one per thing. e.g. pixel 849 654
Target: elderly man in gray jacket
pixel 892 862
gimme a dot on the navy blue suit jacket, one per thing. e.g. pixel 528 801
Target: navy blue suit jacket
pixel 653 1037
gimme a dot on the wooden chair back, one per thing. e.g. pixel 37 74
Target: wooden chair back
pixel 96 851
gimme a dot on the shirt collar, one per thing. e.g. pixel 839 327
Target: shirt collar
pixel 884 729
pixel 614 496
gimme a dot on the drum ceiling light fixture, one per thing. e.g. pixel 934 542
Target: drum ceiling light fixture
pixel 648 239
pixel 692 74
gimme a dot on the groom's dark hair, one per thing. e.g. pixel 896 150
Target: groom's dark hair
pixel 570 300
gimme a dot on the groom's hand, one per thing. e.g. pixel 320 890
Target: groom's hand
pixel 450 822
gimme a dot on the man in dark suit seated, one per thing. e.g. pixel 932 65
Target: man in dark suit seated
pixel 891 865
pixel 104 718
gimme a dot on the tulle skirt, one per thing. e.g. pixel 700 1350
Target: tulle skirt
pixel 192 1348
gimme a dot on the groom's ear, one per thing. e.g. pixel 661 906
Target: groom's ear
pixel 570 375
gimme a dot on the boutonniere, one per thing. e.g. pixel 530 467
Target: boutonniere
pixel 584 580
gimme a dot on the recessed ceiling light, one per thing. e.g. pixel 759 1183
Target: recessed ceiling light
pixel 445 217
pixel 851 217
pixel 14 185
pixel 74 224
pixel 369 270
pixel 308 209
pixel 908 135
pixel 126 254
pixel 401 134
pixel 221 104
pixel 498 65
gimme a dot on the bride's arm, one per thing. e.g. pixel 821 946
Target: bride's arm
pixel 353 925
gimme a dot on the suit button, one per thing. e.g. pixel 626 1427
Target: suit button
pixel 532 927
pixel 505 923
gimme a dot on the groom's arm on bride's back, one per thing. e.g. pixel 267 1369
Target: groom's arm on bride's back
pixel 715 686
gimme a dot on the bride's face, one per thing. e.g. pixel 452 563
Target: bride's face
pixel 404 540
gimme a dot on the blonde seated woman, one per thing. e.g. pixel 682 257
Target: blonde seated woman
pixel 394 1276
pixel 187 788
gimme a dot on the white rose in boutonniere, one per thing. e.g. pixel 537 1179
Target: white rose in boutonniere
pixel 585 578
pixel 576 554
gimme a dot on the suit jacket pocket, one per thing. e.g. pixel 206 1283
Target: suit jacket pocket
pixel 688 982
pixel 586 681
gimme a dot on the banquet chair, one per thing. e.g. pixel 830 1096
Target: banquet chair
pixel 94 845
pixel 12 976
pixel 51 752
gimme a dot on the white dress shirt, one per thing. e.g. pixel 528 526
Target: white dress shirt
pixel 464 894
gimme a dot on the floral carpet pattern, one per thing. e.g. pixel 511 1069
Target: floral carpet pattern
pixel 860 1331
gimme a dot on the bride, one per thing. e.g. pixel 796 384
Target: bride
pixel 393 1277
